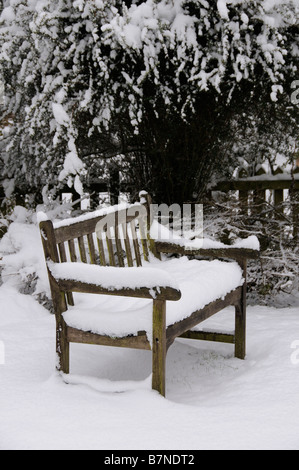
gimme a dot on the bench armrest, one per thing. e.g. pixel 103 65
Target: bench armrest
pixel 147 283
pixel 190 249
pixel 168 241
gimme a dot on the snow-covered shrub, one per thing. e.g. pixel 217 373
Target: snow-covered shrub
pixel 161 80
pixel 21 253
pixel 273 280
pixel 22 261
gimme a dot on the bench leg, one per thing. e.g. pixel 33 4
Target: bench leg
pixel 240 328
pixel 240 319
pixel 240 332
pixel 159 346
pixel 62 346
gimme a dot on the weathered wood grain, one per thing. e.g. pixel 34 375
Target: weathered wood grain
pixel 159 293
pixel 179 328
pixel 209 336
pixel 159 346
pixel 136 342
pixel 228 253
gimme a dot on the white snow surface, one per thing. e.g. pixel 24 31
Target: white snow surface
pixel 250 242
pixel 213 400
pixel 200 282
pixel 91 215
pixel 110 277
pixel 162 233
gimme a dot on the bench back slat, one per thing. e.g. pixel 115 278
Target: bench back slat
pixel 72 249
pixel 119 250
pixel 82 251
pixel 135 244
pixel 102 256
pixel 127 245
pixel 110 246
pixel 91 248
pixel 63 259
pixel 62 252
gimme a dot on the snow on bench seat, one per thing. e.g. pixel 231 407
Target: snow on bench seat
pixel 200 283
pixel 113 278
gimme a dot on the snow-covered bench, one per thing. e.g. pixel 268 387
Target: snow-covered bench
pixel 147 298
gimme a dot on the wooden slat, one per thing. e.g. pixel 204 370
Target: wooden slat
pixel 135 244
pixel 62 252
pixel 72 231
pixel 110 247
pixel 179 328
pixel 278 204
pixel 101 251
pixel 63 258
pixel 243 202
pixel 72 249
pixel 135 342
pixel 143 238
pixel 259 198
pixel 119 250
pixel 91 247
pixel 82 249
pixel 249 185
pixel 157 293
pixel 209 336
pixel 259 195
pixel 228 253
pixel 127 245
pixel 278 198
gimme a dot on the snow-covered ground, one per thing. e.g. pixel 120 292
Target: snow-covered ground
pixel 214 401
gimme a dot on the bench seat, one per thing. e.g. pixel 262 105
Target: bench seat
pixel 200 283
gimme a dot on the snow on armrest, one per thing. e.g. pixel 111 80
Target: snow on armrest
pixel 113 280
pixel 227 251
pixel 162 234
pixel 250 243
pixel 167 241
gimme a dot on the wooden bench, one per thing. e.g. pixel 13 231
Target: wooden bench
pixel 119 243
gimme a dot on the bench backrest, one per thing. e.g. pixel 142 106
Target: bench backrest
pixel 118 236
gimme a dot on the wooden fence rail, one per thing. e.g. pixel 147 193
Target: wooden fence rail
pixel 252 192
pixel 281 191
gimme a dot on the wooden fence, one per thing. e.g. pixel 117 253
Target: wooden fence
pixel 279 191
